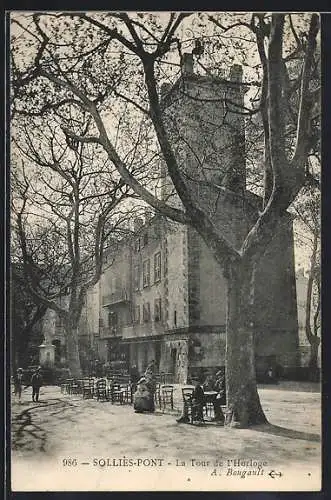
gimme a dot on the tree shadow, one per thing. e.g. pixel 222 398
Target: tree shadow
pixel 23 424
pixel 277 430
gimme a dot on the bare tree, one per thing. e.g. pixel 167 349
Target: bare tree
pixel 25 321
pixel 66 205
pixel 124 63
pixel 307 210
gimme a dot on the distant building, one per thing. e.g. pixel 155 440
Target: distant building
pixel 53 332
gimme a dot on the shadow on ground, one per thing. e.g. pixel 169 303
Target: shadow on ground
pixel 25 432
pixel 276 430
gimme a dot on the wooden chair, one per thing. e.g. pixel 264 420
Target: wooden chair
pixel 80 383
pixel 65 384
pixel 101 390
pixel 88 388
pixel 167 396
pixel 116 394
pixel 126 393
pixel 69 383
pixel 74 387
pixel 209 409
pixel 191 409
pixel 157 394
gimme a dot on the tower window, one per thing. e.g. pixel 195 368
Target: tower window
pixel 136 277
pixel 157 310
pixel 146 273
pixel 146 312
pixel 157 267
pixel 136 314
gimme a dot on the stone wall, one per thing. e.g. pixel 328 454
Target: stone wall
pixel 89 320
pixel 175 359
pixel 213 289
pixel 276 309
pixel 212 350
pixel 175 283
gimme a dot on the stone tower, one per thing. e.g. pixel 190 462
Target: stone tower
pixel 208 138
pixel 206 133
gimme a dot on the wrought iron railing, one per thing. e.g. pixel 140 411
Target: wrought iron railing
pixel 115 297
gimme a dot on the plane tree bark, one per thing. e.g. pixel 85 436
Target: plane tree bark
pixel 313 334
pixel 285 174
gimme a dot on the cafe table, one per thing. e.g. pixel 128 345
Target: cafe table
pixel 210 397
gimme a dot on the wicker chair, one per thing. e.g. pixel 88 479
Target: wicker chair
pixel 157 394
pixel 74 387
pixel 88 388
pixel 101 390
pixel 116 394
pixel 167 396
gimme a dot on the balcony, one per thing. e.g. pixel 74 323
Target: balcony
pixel 142 330
pixel 110 332
pixel 117 297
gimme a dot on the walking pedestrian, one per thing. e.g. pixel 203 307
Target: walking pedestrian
pixel 36 382
pixel 18 383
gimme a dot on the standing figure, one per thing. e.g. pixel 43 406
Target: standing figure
pixel 36 382
pixel 198 401
pixel 18 381
pixel 151 377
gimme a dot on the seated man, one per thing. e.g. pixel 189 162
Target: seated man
pixel 217 384
pixel 198 401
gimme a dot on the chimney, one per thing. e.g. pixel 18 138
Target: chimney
pixel 187 64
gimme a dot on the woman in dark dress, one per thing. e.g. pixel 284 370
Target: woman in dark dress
pixel 143 399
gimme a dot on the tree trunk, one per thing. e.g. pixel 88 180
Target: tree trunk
pixel 313 359
pixel 243 402
pixel 13 358
pixel 72 350
pixel 313 340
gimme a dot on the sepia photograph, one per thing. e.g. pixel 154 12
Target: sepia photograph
pixel 165 242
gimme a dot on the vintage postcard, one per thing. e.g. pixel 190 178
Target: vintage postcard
pixel 165 251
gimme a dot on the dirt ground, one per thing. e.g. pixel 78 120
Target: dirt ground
pixel 89 445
